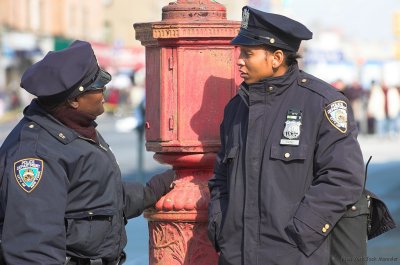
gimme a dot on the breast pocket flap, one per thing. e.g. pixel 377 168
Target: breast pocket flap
pixel 289 153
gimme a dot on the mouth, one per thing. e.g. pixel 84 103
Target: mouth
pixel 243 74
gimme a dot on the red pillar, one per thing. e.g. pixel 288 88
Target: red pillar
pixel 191 74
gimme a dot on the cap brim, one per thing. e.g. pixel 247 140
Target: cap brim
pixel 103 78
pixel 243 40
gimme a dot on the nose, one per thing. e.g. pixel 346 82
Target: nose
pixel 240 62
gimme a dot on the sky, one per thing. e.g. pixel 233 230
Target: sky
pixel 366 20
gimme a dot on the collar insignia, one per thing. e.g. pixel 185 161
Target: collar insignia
pixel 291 132
pixel 336 113
pixel 28 173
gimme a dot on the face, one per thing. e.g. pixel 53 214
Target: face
pixel 91 102
pixel 255 63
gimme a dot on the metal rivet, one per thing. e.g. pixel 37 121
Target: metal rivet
pixel 353 208
pixel 327 226
pixel 303 80
pixel 287 155
pixel 31 126
pixel 324 230
pixel 270 88
pixel 272 40
pixel 81 88
pixel 61 135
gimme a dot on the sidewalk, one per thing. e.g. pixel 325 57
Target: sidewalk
pixel 381 149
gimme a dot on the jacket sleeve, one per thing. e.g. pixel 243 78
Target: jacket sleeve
pixel 338 182
pixel 34 228
pixel 218 193
pixel 135 199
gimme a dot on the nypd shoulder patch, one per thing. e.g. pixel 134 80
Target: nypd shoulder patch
pixel 28 173
pixel 336 113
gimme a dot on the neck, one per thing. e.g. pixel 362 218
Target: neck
pixel 80 122
pixel 281 70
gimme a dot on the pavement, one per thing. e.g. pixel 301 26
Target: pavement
pixel 382 149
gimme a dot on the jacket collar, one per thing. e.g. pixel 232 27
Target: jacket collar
pixel 58 130
pixel 270 85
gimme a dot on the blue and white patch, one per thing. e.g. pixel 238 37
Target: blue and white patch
pixel 336 113
pixel 28 173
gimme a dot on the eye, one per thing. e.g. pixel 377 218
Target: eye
pixel 245 54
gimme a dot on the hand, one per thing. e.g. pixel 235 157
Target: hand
pixel 162 183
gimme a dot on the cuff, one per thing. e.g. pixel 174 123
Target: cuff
pixel 307 229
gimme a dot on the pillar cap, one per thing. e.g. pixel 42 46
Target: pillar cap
pixel 194 10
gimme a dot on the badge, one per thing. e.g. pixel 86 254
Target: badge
pixel 28 173
pixel 245 18
pixel 336 113
pixel 291 132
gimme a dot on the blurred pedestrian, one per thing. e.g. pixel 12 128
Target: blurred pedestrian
pixel 290 165
pixel 376 108
pixel 393 110
pixel 62 199
pixel 355 94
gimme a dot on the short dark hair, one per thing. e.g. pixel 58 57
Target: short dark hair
pixel 50 105
pixel 290 56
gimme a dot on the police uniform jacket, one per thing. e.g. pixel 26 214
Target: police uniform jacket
pixel 278 190
pixel 61 194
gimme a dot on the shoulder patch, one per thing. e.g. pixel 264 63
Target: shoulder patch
pixel 28 173
pixel 336 113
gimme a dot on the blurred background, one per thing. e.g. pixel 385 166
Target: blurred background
pixel 356 48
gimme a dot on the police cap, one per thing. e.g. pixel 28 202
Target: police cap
pixel 261 28
pixel 66 73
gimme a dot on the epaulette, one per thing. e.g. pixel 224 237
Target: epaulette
pixel 30 134
pixel 319 87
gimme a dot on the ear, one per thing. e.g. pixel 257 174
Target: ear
pixel 73 103
pixel 278 58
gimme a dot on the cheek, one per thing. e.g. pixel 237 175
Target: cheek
pixel 96 98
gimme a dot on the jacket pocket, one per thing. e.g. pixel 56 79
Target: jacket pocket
pixel 86 231
pixel 216 210
pixel 230 154
pixel 289 153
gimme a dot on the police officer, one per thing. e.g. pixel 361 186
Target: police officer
pixel 289 165
pixel 62 199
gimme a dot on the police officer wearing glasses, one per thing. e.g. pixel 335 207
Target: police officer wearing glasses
pixel 62 199
pixel 290 165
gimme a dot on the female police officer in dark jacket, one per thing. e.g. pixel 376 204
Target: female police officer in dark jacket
pixel 62 199
pixel 290 164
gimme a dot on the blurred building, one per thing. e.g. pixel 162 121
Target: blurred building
pixel 30 28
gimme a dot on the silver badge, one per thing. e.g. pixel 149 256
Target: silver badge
pixel 336 113
pixel 292 129
pixel 291 132
pixel 245 18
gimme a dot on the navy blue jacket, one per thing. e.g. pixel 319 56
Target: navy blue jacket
pixel 288 168
pixel 61 194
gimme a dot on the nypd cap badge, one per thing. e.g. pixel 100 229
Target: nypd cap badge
pixel 28 173
pixel 245 18
pixel 336 113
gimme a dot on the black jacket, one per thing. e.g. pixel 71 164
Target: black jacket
pixel 61 194
pixel 288 168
